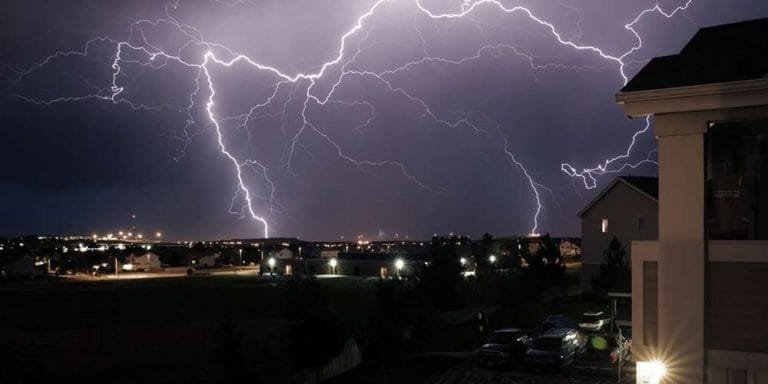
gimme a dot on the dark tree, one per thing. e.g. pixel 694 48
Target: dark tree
pixel 385 341
pixel 614 273
pixel 438 282
pixel 546 265
pixel 315 333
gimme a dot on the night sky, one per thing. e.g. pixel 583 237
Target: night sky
pixel 380 147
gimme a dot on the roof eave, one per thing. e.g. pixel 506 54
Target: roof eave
pixel 734 94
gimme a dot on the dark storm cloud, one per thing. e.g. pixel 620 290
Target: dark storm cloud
pixel 88 165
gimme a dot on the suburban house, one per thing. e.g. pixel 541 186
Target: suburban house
pixel 283 254
pixel 207 261
pixel 147 262
pixel 570 247
pixel 628 209
pixel 700 292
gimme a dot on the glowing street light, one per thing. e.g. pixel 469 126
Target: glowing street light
pixel 333 263
pixel 271 263
pixel 463 261
pixel 158 234
pixel 492 259
pixel 399 265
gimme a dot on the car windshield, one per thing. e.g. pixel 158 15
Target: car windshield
pixel 548 344
pixel 503 337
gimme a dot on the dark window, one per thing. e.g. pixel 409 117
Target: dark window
pixel 641 223
pixel 737 180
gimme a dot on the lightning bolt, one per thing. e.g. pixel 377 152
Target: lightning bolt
pixel 137 50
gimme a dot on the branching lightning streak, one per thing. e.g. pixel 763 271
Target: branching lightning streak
pixel 219 55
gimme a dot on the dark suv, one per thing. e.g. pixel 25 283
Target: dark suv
pixel 557 347
pixel 503 346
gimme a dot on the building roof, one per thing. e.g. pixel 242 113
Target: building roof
pixel 645 185
pixel 719 54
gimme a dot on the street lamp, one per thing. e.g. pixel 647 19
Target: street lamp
pixel 271 263
pixel 333 263
pixel 463 261
pixel 492 259
pixel 399 265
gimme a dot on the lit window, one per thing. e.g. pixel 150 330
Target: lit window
pixel 641 223
pixel 604 226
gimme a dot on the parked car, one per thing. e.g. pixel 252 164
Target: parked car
pixel 503 346
pixel 556 347
pixel 557 321
pixel 594 321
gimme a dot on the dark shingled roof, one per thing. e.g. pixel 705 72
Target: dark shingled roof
pixel 724 53
pixel 649 185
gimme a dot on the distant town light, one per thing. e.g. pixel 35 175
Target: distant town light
pixel 463 261
pixel 159 235
pixel 492 259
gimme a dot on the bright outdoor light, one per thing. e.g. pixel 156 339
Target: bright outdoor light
pixel 650 372
pixel 333 263
pixel 492 259
pixel 399 264
pixel 271 262
pixel 463 261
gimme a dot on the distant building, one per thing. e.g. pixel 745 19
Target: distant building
pixel 207 261
pixel 283 254
pixel 147 262
pixel 627 208
pixel 329 253
pixel 570 248
pixel 700 293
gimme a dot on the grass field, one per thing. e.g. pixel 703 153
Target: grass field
pixel 171 327
pixel 163 330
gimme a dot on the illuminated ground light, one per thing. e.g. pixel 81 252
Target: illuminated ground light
pixel 650 372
